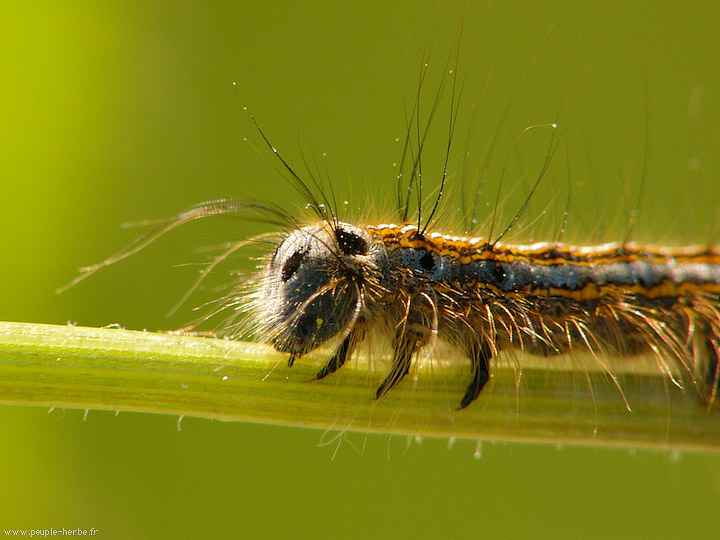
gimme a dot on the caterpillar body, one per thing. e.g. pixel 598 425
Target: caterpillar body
pixel 335 278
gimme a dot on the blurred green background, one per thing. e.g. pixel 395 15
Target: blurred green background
pixel 122 111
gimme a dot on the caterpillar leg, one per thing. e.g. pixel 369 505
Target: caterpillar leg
pixel 346 349
pixel 479 353
pixel 709 394
pixel 407 342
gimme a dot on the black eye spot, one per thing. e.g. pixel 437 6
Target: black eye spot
pixel 350 243
pixel 498 273
pixel 427 262
pixel 292 264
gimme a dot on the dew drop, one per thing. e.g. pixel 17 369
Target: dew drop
pixel 478 450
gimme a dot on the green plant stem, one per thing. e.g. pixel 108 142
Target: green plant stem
pixel 121 370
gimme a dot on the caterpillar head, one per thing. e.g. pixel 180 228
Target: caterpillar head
pixel 313 287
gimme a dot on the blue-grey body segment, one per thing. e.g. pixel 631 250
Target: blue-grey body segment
pixel 521 275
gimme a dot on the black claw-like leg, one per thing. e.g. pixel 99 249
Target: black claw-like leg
pixel 712 374
pixel 479 353
pixel 406 343
pixel 337 360
pixel 346 348
pixel 291 360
